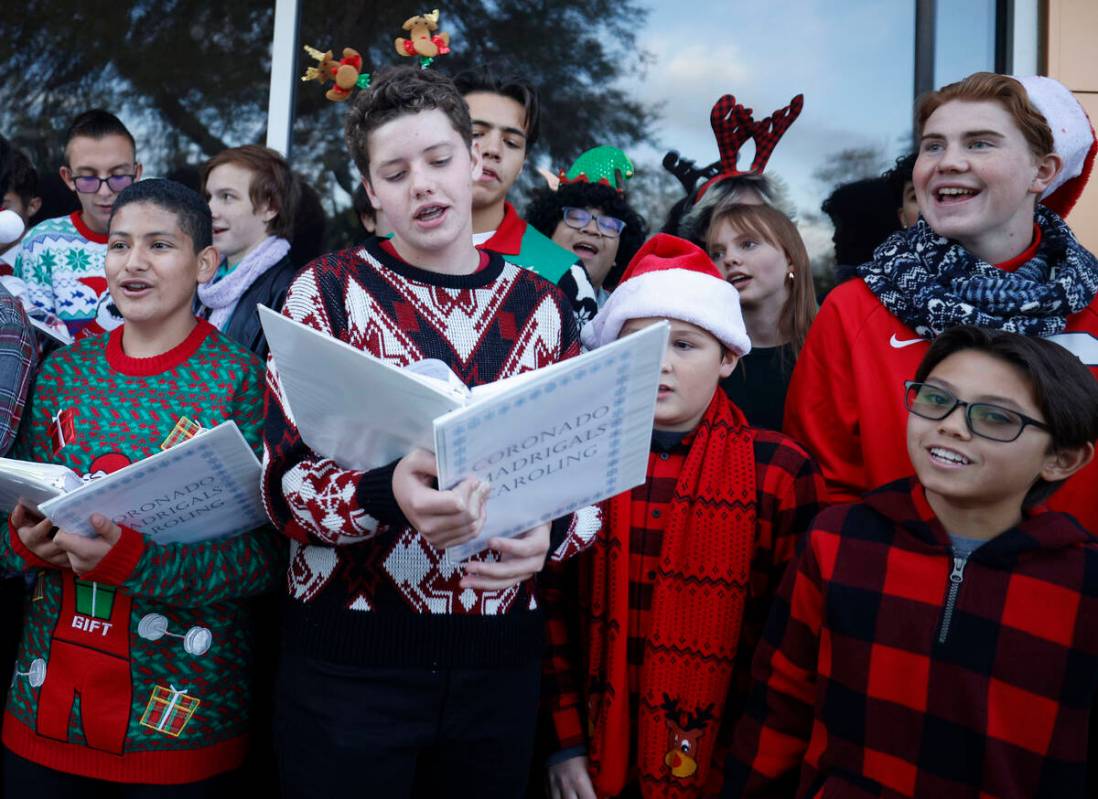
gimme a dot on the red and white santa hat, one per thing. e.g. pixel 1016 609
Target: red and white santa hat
pixel 1072 136
pixel 672 278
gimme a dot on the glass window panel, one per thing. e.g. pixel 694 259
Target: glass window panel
pixel 964 39
pixel 852 59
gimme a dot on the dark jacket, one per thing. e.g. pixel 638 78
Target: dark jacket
pixel 270 290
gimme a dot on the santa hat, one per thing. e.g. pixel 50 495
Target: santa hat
pixel 672 278
pixel 1072 136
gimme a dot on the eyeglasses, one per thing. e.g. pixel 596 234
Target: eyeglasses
pixel 89 184
pixel 609 226
pixel 983 419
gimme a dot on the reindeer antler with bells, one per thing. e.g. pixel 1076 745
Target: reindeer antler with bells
pixel 422 39
pixel 345 74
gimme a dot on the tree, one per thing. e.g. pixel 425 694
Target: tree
pixel 850 164
pixel 192 76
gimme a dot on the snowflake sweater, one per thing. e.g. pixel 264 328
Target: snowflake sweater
pixel 62 262
pixel 366 588
pixel 137 671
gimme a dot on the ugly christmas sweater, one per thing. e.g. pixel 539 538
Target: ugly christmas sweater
pixel 137 670
pixel 365 587
pixel 62 262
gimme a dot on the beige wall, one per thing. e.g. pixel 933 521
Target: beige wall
pixel 1072 58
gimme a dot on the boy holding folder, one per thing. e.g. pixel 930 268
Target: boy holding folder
pixel 132 677
pixel 398 664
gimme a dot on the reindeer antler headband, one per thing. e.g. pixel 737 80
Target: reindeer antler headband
pixel 733 125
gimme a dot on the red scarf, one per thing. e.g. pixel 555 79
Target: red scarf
pixel 697 605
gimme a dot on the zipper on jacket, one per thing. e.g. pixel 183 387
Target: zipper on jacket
pixel 956 577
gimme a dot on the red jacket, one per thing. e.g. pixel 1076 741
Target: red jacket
pixel 845 401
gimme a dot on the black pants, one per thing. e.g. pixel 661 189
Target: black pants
pixel 390 733
pixel 23 778
pixel 12 591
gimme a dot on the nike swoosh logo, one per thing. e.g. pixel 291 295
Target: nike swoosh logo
pixel 897 344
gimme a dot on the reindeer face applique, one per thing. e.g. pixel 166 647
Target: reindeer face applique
pixel 685 728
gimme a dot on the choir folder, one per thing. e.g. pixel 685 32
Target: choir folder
pixel 206 487
pixel 549 441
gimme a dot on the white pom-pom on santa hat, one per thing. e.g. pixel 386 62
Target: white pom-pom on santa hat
pixel 11 227
pixel 1073 139
pixel 671 278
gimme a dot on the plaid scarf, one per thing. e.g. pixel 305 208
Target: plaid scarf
pixel 697 607
pixel 931 283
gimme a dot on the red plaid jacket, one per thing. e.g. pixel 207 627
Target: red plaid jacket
pixel 868 683
pixel 789 486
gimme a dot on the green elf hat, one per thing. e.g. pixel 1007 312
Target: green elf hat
pixel 603 164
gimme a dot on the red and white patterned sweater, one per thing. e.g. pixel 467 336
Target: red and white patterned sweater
pixel 365 588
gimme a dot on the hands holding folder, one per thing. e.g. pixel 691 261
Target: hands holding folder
pixel 454 517
pixel 63 549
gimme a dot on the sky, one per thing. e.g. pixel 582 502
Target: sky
pixel 853 60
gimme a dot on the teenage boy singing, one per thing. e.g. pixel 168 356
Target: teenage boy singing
pixel 98 704
pixel 400 670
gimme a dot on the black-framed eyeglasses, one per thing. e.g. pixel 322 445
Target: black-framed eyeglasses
pixel 609 226
pixel 89 184
pixel 983 419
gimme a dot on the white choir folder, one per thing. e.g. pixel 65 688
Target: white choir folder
pixel 549 441
pixel 206 487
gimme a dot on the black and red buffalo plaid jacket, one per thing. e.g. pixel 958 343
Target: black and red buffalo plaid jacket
pixel 869 682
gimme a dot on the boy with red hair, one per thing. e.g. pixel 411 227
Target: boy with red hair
pixel 1001 161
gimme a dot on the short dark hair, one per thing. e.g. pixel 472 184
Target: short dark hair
pixel 545 211
pixel 272 183
pixel 360 201
pixel 900 175
pixel 191 211
pixel 484 78
pixel 6 151
pixel 863 215
pixel 397 91
pixel 97 124
pixel 23 180
pixel 1066 391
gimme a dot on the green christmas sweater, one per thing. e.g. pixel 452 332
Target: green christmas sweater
pixel 62 261
pixel 138 670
